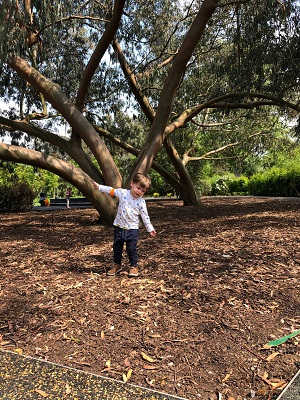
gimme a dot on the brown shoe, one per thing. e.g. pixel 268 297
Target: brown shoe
pixel 133 271
pixel 114 270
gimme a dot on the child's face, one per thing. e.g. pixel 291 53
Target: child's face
pixel 137 190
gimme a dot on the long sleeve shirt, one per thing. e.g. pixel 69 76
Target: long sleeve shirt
pixel 129 209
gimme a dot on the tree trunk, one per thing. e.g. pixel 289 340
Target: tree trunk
pixel 184 187
pixel 168 177
pixel 157 132
pixel 188 193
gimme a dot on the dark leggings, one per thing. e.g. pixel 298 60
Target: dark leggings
pixel 130 237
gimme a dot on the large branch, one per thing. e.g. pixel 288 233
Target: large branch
pixel 218 102
pixel 75 152
pixel 134 84
pixel 70 112
pixel 63 169
pixel 207 155
pixel 99 52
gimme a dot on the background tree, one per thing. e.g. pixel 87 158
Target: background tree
pixel 167 66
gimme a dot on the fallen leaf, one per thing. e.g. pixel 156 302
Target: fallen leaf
pixel 107 364
pixel 146 357
pixel 155 335
pixel 68 389
pixel 70 338
pixel 19 351
pixel 129 373
pixel 263 391
pixel 227 377
pixel 150 381
pixel 281 340
pixel 127 362
pixel 4 342
pixel 82 363
pixel 276 385
pixel 127 376
pixel 271 356
pixel 107 369
pixel 42 393
pixel 102 335
pixel 150 367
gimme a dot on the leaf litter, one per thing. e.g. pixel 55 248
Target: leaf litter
pixel 217 283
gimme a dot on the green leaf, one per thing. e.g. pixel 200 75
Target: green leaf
pixel 281 340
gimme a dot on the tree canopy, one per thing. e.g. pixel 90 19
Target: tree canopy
pixel 142 79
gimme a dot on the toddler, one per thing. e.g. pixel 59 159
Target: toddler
pixel 126 224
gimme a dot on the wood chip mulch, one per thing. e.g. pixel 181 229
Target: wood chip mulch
pixel 217 284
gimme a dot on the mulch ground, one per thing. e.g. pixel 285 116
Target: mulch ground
pixel 218 283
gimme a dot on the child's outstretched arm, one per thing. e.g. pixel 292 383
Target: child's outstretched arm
pixel 105 189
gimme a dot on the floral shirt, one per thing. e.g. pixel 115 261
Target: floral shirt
pixel 129 209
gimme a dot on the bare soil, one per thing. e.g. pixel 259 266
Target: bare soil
pixel 218 283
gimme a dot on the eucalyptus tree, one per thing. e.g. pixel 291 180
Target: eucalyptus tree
pixel 86 64
pixel 253 61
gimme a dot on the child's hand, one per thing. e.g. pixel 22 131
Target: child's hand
pixel 96 185
pixel 153 233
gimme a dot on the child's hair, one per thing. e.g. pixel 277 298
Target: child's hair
pixel 143 180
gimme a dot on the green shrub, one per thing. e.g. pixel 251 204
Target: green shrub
pixel 158 185
pixel 238 186
pixel 276 182
pixel 219 187
pixel 292 188
pixel 17 197
pixel 203 188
